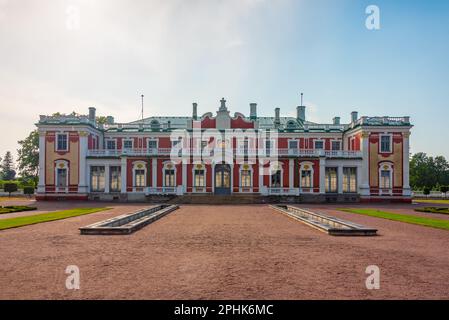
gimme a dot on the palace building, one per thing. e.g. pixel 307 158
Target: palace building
pixel 288 158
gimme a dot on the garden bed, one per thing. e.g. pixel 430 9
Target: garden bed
pixel 11 209
pixel 440 210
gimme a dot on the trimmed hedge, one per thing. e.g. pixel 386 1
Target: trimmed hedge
pixel 11 209
pixel 28 190
pixel 441 210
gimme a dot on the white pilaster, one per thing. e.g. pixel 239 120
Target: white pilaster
pixel 41 185
pixel 340 179
pixel 291 169
pixel 106 179
pixel 123 175
pixel 364 174
pixel 406 191
pixel 154 172
pixel 184 177
pixel 322 175
pixel 82 186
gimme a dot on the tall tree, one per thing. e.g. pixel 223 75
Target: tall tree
pixel 29 156
pixel 7 167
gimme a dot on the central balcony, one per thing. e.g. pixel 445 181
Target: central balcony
pixel 239 152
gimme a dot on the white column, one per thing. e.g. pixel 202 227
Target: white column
pixel 322 175
pixel 291 169
pixel 340 179
pixel 364 174
pixel 406 191
pixel 106 179
pixel 41 185
pixel 154 172
pixel 123 175
pixel 82 185
pixel 184 177
pixel 232 177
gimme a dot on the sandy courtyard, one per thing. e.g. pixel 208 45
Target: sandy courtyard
pixel 223 252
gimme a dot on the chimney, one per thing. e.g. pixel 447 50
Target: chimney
pixel 336 120
pixel 92 117
pixel 253 111
pixel 301 113
pixel 354 116
pixel 195 111
pixel 277 119
pixel 110 120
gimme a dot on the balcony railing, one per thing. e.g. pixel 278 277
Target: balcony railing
pixel 282 152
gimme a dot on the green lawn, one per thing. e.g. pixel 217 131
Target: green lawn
pixel 428 222
pixel 44 217
pixel 441 201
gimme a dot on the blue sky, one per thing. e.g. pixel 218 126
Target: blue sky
pixel 179 52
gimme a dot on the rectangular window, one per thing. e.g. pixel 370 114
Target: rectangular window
pixel 62 142
pixel 276 179
pixel 115 179
pixel 268 146
pixel 127 144
pixel 350 180
pixel 331 180
pixel 336 145
pixel 199 178
pixel 169 177
pixel 97 179
pixel 293 144
pixel 110 144
pixel 319 144
pixel 385 143
pixel 306 179
pixel 139 178
pixel 385 181
pixel 246 178
pixel 152 144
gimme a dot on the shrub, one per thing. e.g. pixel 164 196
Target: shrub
pixel 426 191
pixel 10 187
pixel 28 190
pixel 11 209
pixel 444 189
pixel 442 210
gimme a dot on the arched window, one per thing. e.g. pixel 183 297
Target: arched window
pixel 246 174
pixel 62 175
pixel 385 177
pixel 306 176
pixel 276 175
pixel 169 172
pixel 199 176
pixel 139 175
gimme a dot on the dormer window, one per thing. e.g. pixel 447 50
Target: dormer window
pixel 61 143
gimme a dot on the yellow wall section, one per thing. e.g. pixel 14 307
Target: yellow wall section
pixel 52 156
pixel 376 158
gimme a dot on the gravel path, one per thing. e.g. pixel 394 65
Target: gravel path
pixel 223 252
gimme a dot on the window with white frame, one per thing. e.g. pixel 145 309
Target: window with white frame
pixel 336 145
pixel 349 179
pixel 385 143
pixel 169 177
pixel 115 178
pixel 276 179
pixel 139 178
pixel 385 179
pixel 110 144
pixel 331 180
pixel 97 178
pixel 306 178
pixel 293 144
pixel 319 144
pixel 245 178
pixel 127 144
pixel 62 142
pixel 199 178
pixel 152 144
